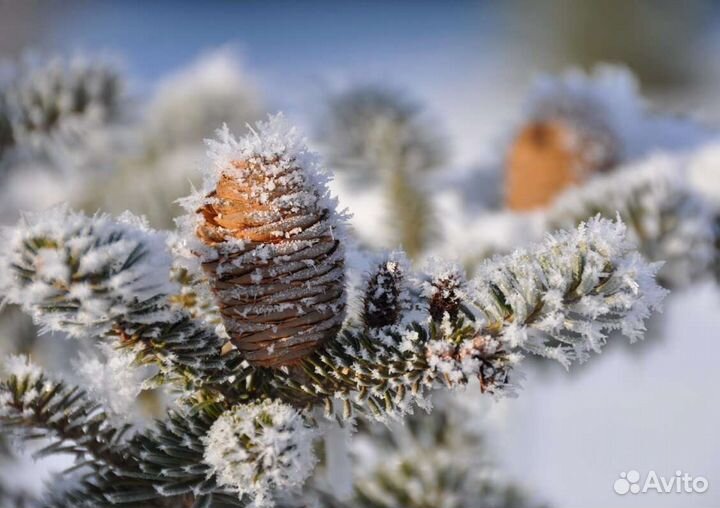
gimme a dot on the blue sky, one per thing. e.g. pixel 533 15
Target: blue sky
pixel 278 38
pixel 470 62
pixel 441 52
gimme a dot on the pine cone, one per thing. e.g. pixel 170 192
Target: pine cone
pixel 444 293
pixel 278 276
pixel 386 296
pixel 564 144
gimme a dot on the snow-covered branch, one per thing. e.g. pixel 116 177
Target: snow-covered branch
pixel 98 277
pixel 560 299
pixel 266 232
pixel 63 415
pixel 666 218
pixel 57 97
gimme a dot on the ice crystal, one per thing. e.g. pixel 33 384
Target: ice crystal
pixel 87 271
pixel 113 379
pixel 667 219
pixel 257 448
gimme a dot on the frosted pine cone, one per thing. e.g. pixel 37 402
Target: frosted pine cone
pixel 271 250
pixel 565 141
pixel 386 294
pixel 444 290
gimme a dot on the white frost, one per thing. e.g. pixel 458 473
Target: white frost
pixel 114 379
pixel 258 448
pixel 77 274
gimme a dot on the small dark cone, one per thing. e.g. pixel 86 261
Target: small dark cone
pixel 278 277
pixel 495 368
pixel 446 295
pixel 385 297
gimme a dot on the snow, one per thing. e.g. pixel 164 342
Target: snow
pixel 569 436
pixel 257 448
pixel 113 379
pixel 82 260
pixel 669 220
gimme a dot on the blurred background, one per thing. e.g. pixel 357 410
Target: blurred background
pixel 418 108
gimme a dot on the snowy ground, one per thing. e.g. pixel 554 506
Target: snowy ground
pixel 569 436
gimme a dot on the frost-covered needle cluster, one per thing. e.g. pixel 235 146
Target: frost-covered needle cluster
pixel 667 218
pixel 271 246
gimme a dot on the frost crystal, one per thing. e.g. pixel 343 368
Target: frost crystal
pixel 113 380
pixel 77 274
pixel 666 219
pixel 258 448
pixel 27 374
pixel 21 367
pixel 274 140
pixel 562 298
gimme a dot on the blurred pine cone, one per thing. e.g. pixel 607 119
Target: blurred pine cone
pixel 565 141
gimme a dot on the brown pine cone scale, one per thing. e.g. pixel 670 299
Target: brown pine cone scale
pixel 279 274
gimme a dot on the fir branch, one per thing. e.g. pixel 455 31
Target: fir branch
pixel 60 96
pixel 39 408
pixel 165 462
pixel 666 218
pixel 559 300
pixel 93 276
pixel 160 465
pixel 205 458
pixel 240 443
pixel 428 461
pixel 82 275
pixel 208 458
pixel 258 450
